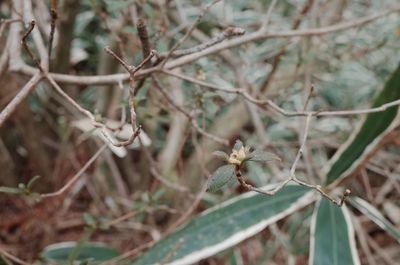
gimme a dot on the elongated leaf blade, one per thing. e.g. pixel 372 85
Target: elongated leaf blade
pixel 225 226
pixel 220 177
pixel 32 181
pixel 10 190
pixel 262 156
pixel 375 216
pixel 332 236
pixel 60 252
pixel 371 132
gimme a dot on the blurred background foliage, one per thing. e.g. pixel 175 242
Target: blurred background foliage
pixel 347 69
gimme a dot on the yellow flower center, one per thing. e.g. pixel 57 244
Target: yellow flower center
pixel 237 156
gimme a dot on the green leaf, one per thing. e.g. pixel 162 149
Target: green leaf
pixel 60 252
pixel 10 190
pixel 226 225
pixel 90 219
pixel 238 145
pixel 113 6
pixel 375 216
pixel 32 181
pixel 261 156
pixel 332 236
pixel 222 155
pixel 363 141
pixel 220 177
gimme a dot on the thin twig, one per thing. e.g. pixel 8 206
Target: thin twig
pixel 180 221
pixel 136 129
pixel 309 95
pixel 279 56
pixel 103 128
pixel 247 186
pixel 12 257
pixel 54 16
pixel 26 47
pixel 188 115
pixel 269 103
pixel 17 99
pixel 190 30
pixel 202 83
pixel 127 67
pixel 258 36
pixel 76 176
pixel 255 36
pixel 5 22
pixel 122 218
pixel 265 23
pixel 144 37
pixel 316 187
pixel 167 183
pixel 292 176
pixel 362 239
pixel 227 33
pixel 188 212
pixel 130 253
pixel 302 145
pixel 172 252
pixel 154 171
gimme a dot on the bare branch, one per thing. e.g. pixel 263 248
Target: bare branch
pixel 144 37
pixel 12 257
pixel 227 33
pixel 26 47
pixel 255 36
pixel 306 8
pixel 188 212
pixel 258 36
pixel 265 23
pixel 302 145
pixel 36 36
pixel 6 22
pixel 76 176
pixel 292 177
pixel 127 67
pixel 270 104
pixel 188 115
pixel 54 16
pixel 22 94
pixel 190 30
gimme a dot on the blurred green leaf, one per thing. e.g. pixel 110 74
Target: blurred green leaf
pixel 220 177
pixel 375 124
pixel 238 145
pixel 90 219
pixel 222 155
pixel 226 225
pixel 10 190
pixel 32 181
pixel 262 156
pixel 61 252
pixel 339 90
pixel 332 236
pixel 375 216
pixel 117 5
pixel 298 225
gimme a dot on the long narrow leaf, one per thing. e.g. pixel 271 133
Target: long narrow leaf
pixel 362 143
pixel 375 216
pixel 60 252
pixel 332 236
pixel 225 226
